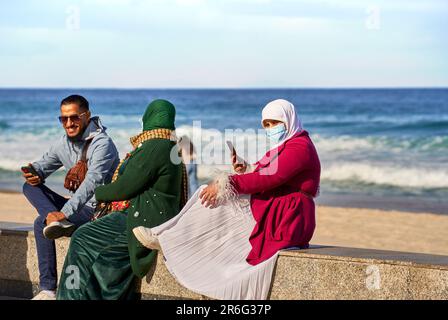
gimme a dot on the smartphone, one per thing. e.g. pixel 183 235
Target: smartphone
pixel 232 149
pixel 29 169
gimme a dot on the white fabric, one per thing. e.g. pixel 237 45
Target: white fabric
pixel 284 111
pixel 206 249
pixel 45 295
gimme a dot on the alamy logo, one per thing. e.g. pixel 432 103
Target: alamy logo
pixel 72 281
pixel 73 20
pixel 373 20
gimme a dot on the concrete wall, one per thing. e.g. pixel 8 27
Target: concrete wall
pixel 317 273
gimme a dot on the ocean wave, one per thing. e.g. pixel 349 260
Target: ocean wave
pixel 387 175
pixel 328 144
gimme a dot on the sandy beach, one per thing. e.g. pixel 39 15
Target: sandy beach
pixel 349 227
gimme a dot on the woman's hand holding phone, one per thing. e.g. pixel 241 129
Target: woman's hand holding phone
pixel 239 165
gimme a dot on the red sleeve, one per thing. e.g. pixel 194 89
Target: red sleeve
pixel 294 158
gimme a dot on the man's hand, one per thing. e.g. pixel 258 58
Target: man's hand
pixel 55 216
pixel 31 179
pixel 209 196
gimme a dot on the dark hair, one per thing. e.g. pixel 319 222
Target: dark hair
pixel 82 102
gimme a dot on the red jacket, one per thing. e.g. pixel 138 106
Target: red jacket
pixel 282 187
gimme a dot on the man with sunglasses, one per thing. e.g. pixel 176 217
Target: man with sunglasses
pixel 57 215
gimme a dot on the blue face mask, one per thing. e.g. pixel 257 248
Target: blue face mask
pixel 277 133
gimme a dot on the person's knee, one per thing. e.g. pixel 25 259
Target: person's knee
pixel 26 188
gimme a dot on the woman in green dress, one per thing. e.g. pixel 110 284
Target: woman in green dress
pixel 105 260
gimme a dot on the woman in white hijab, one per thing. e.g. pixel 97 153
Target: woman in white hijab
pixel 282 113
pixel 225 241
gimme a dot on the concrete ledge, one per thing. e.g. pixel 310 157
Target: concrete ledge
pixel 320 272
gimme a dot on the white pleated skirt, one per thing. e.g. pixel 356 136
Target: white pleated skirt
pixel 206 249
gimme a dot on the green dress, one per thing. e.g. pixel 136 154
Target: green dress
pixel 105 254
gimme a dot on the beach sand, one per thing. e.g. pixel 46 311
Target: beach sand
pixel 349 227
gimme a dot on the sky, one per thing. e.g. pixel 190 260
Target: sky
pixel 223 43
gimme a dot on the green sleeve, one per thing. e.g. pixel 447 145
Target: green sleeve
pixel 140 170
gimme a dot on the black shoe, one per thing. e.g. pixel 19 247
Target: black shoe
pixel 59 229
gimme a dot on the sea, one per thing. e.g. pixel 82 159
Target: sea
pixel 379 148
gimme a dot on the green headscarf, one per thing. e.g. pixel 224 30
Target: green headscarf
pixel 159 114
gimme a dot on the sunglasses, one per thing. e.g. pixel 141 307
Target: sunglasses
pixel 73 118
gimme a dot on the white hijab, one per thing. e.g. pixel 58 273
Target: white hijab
pixel 284 111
